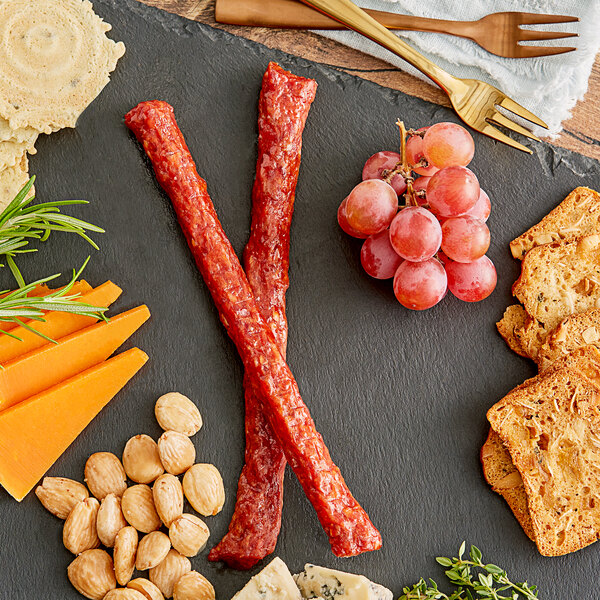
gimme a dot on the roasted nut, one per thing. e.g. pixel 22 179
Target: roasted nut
pixel 146 588
pixel 138 509
pixel 104 474
pixel 203 487
pixel 176 412
pixel 188 534
pixel 126 544
pixel 124 594
pixel 177 452
pixel 59 495
pixel 168 498
pixel 79 530
pixel 92 575
pixel 141 460
pixel 193 586
pixel 152 550
pixel 110 520
pixel 169 572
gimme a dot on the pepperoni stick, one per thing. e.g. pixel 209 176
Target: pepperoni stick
pixel 346 524
pixel 283 107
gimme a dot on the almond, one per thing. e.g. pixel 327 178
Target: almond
pixel 176 412
pixel 104 474
pixel 141 460
pixel 203 487
pixel 188 534
pixel 110 520
pixel 193 586
pixel 59 495
pixel 169 572
pixel 152 550
pixel 79 530
pixel 168 498
pixel 138 508
pixel 126 544
pixel 92 575
pixel 124 594
pixel 177 452
pixel 146 588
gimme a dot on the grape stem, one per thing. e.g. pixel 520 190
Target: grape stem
pixel 402 167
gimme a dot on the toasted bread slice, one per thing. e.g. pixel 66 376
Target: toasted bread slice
pixel 576 216
pixel 551 429
pixel 560 279
pixel 514 317
pixel 571 333
pixel 505 479
pixel 531 336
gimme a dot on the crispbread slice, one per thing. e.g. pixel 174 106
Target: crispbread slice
pixel 502 475
pixel 531 335
pixel 560 279
pixel 514 316
pixel 576 216
pixel 552 430
pixel 571 333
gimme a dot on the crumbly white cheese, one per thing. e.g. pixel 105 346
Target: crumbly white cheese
pixel 274 582
pixel 319 583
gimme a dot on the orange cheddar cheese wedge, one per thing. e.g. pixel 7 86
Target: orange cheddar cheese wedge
pixel 34 433
pixel 40 369
pixel 79 287
pixel 56 324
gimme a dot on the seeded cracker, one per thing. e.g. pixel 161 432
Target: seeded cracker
pixel 514 317
pixel 12 180
pixel 55 59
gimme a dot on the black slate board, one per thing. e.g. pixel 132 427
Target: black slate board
pixel 400 397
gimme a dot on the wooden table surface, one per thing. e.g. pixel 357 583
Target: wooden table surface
pixel 581 133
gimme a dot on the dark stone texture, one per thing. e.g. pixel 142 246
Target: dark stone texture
pixel 400 397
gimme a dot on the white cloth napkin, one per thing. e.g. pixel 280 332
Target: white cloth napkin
pixel 548 86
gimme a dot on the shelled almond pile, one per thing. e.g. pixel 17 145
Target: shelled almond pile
pixel 543 451
pixel 116 514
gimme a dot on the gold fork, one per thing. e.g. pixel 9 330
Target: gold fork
pixel 474 101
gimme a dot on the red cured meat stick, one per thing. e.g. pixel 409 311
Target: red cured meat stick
pixel 347 525
pixel 283 107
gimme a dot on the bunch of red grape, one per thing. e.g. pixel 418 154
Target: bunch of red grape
pixel 437 240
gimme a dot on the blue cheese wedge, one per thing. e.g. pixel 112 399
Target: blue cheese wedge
pixel 320 583
pixel 274 582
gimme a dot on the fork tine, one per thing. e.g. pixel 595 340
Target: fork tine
pixel 533 51
pixel 492 132
pixel 510 104
pixel 529 35
pixel 538 19
pixel 499 119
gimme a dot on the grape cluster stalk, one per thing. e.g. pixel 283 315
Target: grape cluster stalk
pixel 422 215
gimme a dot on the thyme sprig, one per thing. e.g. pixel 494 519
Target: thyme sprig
pixel 473 579
pixel 21 222
pixel 17 306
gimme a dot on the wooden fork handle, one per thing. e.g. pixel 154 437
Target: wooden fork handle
pixel 290 14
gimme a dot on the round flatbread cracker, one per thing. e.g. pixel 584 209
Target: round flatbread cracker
pixel 12 151
pixel 55 59
pixel 12 180
pixel 25 135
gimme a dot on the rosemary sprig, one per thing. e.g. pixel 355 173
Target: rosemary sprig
pixel 17 306
pixel 473 579
pixel 21 222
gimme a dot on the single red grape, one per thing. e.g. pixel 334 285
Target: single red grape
pixel 482 208
pixel 452 191
pixel 472 281
pixel 371 206
pixel 415 234
pixel 343 221
pixel 378 257
pixel 448 145
pixel 420 184
pixel 465 239
pixel 384 161
pixel 414 155
pixel 420 285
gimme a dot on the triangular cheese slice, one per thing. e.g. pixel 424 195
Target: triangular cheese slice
pixel 41 369
pixel 34 433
